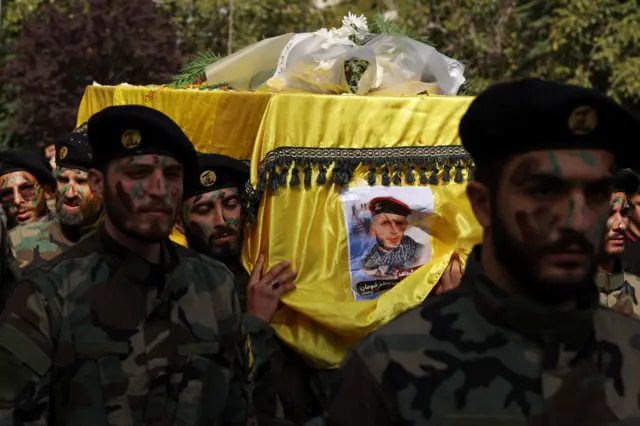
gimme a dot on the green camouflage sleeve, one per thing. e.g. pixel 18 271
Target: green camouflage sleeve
pixel 25 357
pixel 360 398
pixel 9 269
pixel 233 370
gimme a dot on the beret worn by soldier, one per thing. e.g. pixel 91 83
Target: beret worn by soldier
pixel 626 181
pixel 128 130
pixel 15 161
pixel 74 151
pixel 217 172
pixel 381 205
pixel 532 114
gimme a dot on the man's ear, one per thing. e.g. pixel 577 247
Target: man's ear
pixel 480 199
pixel 96 182
pixel 179 223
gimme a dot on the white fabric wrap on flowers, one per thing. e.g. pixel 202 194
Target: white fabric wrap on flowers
pixel 398 65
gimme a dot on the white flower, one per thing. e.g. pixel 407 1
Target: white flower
pixel 351 20
pixel 343 33
pixel 326 36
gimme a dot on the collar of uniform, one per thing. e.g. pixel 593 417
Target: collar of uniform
pixel 134 266
pixel 569 329
pixel 74 233
pixel 608 282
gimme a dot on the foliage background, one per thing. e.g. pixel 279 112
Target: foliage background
pixel 51 49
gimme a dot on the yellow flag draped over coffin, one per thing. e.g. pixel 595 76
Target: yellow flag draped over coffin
pixel 215 121
pixel 343 142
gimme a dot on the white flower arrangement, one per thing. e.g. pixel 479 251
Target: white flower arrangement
pixel 354 29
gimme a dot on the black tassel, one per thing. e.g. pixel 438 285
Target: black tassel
pixel 262 182
pixel 458 178
pixel 322 176
pixel 337 174
pixel 284 174
pixel 433 179
pixel 273 179
pixel 423 175
pixel 307 174
pixel 446 174
pixel 386 181
pixel 371 179
pixel 471 172
pixel 348 172
pixel 295 176
pixel 409 177
pixel 397 175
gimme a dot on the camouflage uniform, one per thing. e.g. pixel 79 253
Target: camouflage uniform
pixel 619 291
pixel 480 356
pixel 37 242
pixel 9 270
pixel 99 336
pixel 287 390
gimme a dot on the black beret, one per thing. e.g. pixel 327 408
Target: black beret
pixel 127 130
pixel 216 172
pixel 74 151
pixel 15 161
pixel 380 205
pixel 626 181
pixel 533 114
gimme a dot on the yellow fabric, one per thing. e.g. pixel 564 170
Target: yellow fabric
pixel 215 121
pixel 306 226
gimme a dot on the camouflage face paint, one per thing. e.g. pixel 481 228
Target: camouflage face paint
pixel 75 203
pixel 213 223
pixel 145 193
pixel 550 222
pixel 617 223
pixel 22 198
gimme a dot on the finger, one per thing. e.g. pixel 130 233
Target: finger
pixel 285 288
pixel 274 272
pixel 287 276
pixel 257 271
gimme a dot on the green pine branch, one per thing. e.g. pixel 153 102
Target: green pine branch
pixel 194 70
pixel 382 25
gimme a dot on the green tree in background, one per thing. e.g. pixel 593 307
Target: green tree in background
pixel 65 46
pixel 587 42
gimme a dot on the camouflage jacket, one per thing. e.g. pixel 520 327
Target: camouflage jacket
pixel 619 291
pixel 479 356
pixel 37 242
pixel 287 391
pixel 9 270
pixel 99 336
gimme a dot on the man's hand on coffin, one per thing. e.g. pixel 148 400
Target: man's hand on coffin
pixel 450 277
pixel 264 292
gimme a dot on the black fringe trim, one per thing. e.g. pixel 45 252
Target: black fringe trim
pixel 296 167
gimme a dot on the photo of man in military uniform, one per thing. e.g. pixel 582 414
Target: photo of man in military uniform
pixel 393 252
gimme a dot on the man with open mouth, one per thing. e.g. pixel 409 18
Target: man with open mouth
pixel 618 287
pixel 24 182
pixel 77 209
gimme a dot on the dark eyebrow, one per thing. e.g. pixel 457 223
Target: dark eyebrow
pixel 200 203
pixel 173 167
pixel 230 197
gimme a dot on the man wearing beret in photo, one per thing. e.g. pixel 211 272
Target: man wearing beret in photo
pixel 126 327
pixel 77 208
pixel 523 339
pixel 619 289
pixel 212 221
pixel 394 251
pixel 24 182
